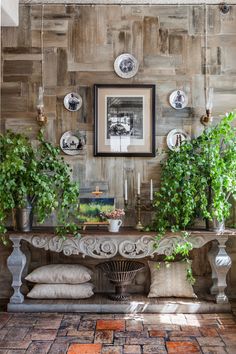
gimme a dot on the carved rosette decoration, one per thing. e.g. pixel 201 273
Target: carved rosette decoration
pixel 98 247
pixel 140 248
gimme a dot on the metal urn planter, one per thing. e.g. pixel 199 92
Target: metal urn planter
pixel 23 217
pixel 120 273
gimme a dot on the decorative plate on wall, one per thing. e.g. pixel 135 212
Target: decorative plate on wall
pixel 73 101
pixel 126 66
pixel 178 99
pixel 175 138
pixel 72 143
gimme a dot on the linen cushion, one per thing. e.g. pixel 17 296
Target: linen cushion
pixel 61 291
pixel 168 281
pixel 60 274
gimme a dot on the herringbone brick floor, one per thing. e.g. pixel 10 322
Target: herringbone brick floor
pixel 117 334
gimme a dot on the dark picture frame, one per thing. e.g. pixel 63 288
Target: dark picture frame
pixel 124 120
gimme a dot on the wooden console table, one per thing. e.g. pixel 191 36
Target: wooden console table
pixel 130 244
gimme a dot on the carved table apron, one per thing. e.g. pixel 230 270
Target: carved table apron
pixel 128 244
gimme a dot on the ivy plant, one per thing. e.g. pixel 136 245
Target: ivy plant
pixel 39 174
pixel 197 181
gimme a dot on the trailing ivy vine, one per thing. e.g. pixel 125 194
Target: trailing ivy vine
pixel 197 181
pixel 40 174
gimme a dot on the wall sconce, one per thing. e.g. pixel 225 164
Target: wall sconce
pixel 224 8
pixel 41 118
pixel 207 118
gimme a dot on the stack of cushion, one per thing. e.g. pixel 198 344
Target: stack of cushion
pixel 61 281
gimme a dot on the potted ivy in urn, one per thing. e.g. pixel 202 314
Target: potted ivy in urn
pixel 199 179
pixel 35 178
pixel 197 182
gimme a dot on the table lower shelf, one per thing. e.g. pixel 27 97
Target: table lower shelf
pixel 100 303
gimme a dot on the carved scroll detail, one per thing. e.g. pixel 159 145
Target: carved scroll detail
pixel 68 246
pixel 167 245
pixel 140 248
pixel 98 247
pixel 103 247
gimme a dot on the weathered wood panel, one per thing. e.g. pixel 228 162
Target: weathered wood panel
pixel 80 46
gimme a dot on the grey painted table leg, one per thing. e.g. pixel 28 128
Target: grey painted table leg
pixel 16 263
pixel 221 263
pixel 211 257
pixel 27 253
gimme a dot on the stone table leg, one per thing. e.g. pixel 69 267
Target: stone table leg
pixel 221 263
pixel 26 251
pixel 211 257
pixel 16 263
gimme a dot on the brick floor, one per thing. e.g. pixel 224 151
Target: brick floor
pixel 117 334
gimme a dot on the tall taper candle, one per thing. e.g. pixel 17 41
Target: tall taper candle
pixel 138 183
pixel 151 190
pixel 126 190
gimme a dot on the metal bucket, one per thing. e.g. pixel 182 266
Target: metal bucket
pixel 215 225
pixel 23 219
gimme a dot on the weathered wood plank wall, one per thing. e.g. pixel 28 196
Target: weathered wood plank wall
pixel 80 46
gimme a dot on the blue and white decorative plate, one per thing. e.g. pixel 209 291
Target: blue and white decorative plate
pixel 175 138
pixel 178 99
pixel 73 101
pixel 126 66
pixel 72 143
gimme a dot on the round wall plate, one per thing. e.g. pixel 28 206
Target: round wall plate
pixel 175 138
pixel 178 99
pixel 72 143
pixel 126 66
pixel 72 101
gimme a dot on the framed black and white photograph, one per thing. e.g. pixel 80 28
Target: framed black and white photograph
pixel 124 120
pixel 73 101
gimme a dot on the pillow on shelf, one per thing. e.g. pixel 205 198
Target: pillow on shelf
pixel 60 274
pixel 169 281
pixel 61 291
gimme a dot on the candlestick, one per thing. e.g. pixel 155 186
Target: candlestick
pixel 151 190
pixel 126 191
pixel 138 184
pixel 139 225
pixel 138 205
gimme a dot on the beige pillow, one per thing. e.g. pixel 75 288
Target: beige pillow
pixel 61 291
pixel 168 281
pixel 60 274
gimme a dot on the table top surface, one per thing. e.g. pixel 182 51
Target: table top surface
pixel 124 231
